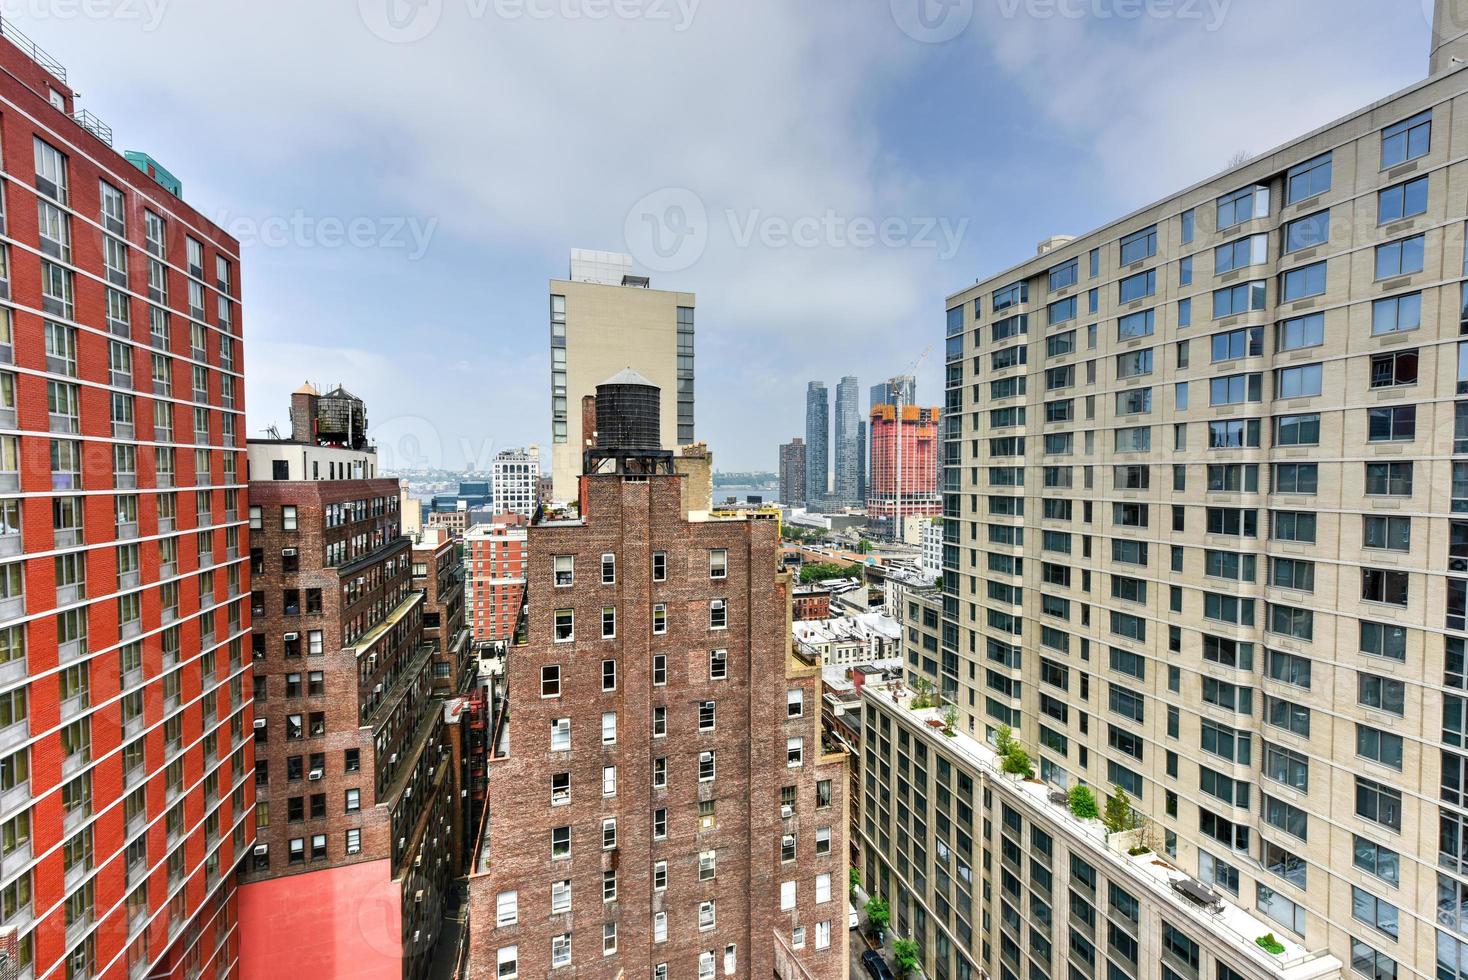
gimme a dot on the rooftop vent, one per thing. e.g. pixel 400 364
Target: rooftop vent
pixel 1052 243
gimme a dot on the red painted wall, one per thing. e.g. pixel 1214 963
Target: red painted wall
pixel 337 924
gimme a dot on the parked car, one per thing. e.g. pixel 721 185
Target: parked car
pixel 851 918
pixel 875 966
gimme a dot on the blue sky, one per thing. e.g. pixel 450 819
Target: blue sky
pixel 407 174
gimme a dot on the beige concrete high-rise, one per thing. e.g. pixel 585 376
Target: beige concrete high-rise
pixel 605 319
pixel 1207 542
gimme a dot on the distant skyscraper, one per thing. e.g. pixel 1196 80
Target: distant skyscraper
pixel 603 319
pixel 792 473
pixel 517 481
pixel 886 393
pixel 846 443
pixel 817 444
pixel 861 462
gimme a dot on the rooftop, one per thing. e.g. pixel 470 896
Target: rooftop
pixel 1233 926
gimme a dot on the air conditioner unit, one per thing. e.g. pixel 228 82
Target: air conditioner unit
pixel 315 774
pixel 288 552
pixel 786 810
pixel 392 758
pixel 292 636
pixel 402 841
pixel 416 934
pixel 418 861
pixel 259 722
pixel 430 770
pixel 262 849
pixel 418 896
pixel 377 689
pixel 408 793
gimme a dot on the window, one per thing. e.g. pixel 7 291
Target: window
pixel 794 752
pixel 1396 314
pixel 560 842
pixel 1401 201
pixel 608 569
pixel 561 735
pixel 659 619
pixel 1307 232
pixel 550 681
pixel 659 566
pixel 565 570
pixel 608 675
pixel 718 664
pixel 1372 964
pixel 1139 245
pixel 609 834
pixel 1400 258
pixel 1377 860
pixel 707 766
pixel 608 729
pixel 1394 368
pixel 1389 479
pixel 719 563
pixel 787 896
pixel 1298 382
pixel 609 622
pixel 1379 803
pixel 561 950
pixel 506 909
pixel 565 625
pixel 1303 282
pixel 1406 140
pixel 288 518
pixel 1253 250
pixel 718 614
pixel 1242 205
pixel 1393 423
pixel 1308 179
pixel 706 716
pixel 508 958
pixel 1301 332
pixel 560 897
pixel 1242 298
pixel 1137 287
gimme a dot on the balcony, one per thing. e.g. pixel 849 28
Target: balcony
pixel 75 763
pixel 16 797
pixel 13 672
pixel 73 819
pixel 74 706
pixel 93 125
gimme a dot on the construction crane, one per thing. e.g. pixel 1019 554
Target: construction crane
pixel 897 526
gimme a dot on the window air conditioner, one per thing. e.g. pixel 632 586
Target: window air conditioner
pixel 315 774
pixel 262 849
pixel 259 722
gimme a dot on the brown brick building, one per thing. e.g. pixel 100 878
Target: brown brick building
pixel 438 573
pixel 357 798
pixel 661 804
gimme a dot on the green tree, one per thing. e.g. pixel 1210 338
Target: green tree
pixel 1119 811
pixel 878 915
pixel 950 718
pixel 817 571
pixel 1004 740
pixel 908 956
pixel 855 878
pixel 1017 762
pixel 923 691
pixel 864 547
pixel 1083 802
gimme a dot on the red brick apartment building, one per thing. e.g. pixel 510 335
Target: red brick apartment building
pixel 661 803
pixel 125 797
pixel 494 562
pixel 356 790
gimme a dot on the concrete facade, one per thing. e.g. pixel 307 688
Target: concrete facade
pixel 792 473
pixel 599 329
pixel 1202 543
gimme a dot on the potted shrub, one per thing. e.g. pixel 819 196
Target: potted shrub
pixel 878 916
pixel 1269 944
pixel 1083 803
pixel 907 955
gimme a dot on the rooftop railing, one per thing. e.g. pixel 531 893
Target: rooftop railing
pixel 93 125
pixel 16 37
